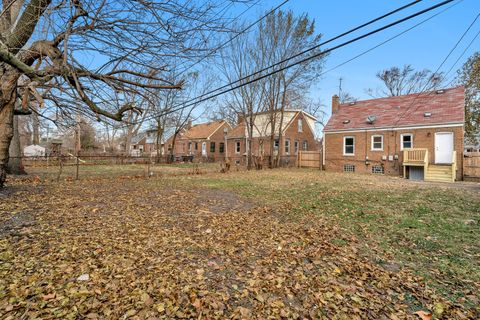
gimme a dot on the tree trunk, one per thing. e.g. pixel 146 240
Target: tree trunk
pixel 15 151
pixel 8 96
pixel 35 127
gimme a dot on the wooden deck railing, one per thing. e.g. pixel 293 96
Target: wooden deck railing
pixel 415 156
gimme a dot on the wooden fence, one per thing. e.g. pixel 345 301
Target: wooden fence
pixel 471 166
pixel 309 159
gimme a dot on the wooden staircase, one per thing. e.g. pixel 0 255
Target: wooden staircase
pixel 439 173
pixel 432 172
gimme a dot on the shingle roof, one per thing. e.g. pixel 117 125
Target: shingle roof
pixel 203 130
pixel 408 110
pixel 237 132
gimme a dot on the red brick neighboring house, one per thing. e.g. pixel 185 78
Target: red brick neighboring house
pixel 298 133
pixel 204 141
pixel 418 136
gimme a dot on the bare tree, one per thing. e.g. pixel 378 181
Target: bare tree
pixel 469 76
pixel 400 81
pixel 280 36
pixel 87 50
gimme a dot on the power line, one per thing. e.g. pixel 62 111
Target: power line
pixel 389 39
pixel 436 71
pixel 460 56
pixel 310 49
pixel 202 99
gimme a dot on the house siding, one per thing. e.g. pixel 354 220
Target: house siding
pixel 422 138
pixel 291 133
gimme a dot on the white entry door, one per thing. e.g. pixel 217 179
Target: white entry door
pixel 204 149
pixel 443 147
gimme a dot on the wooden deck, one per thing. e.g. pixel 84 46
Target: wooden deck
pixel 419 157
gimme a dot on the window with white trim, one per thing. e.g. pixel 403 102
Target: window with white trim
pixel 348 146
pixel 406 141
pixel 276 144
pixel 377 142
pixel 287 146
pixel 295 146
pixel 305 145
pixel 348 168
pixel 237 147
pixel 300 125
pixel 378 169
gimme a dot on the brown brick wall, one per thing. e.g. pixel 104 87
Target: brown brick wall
pixel 422 138
pixel 291 134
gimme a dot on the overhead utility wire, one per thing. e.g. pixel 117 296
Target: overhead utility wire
pixel 310 49
pixel 189 103
pixel 436 71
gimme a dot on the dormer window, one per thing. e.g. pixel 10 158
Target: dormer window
pixel 346 121
pixel 427 114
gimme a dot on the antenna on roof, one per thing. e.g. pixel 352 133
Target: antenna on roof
pixel 371 119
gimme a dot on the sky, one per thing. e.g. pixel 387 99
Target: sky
pixel 425 46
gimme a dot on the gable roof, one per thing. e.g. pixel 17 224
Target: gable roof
pixel 203 130
pixel 446 107
pixel 238 131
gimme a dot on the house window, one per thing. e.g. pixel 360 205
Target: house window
pixel 377 143
pixel 406 141
pixel 190 146
pixel 221 147
pixel 212 147
pixel 196 145
pixel 378 169
pixel 300 125
pixel 237 146
pixel 348 146
pixel 348 168
pixel 276 144
pixel 305 145
pixel 295 145
pixel 287 146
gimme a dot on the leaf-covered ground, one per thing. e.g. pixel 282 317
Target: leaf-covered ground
pixel 269 244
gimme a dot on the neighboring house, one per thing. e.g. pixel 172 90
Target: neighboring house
pixel 34 151
pixel 297 134
pixel 143 144
pixel 204 141
pixel 419 136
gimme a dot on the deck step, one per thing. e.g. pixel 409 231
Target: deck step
pixel 439 173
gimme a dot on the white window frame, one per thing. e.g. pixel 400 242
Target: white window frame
pixel 401 140
pixel 344 145
pixel 372 145
pixel 305 145
pixel 300 125
pixel 296 144
pixel 287 146
pixel 238 147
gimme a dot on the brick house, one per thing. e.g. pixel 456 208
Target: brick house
pixel 143 144
pixel 298 133
pixel 418 136
pixel 204 141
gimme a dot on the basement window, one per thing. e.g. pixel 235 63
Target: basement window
pixel 378 169
pixel 348 168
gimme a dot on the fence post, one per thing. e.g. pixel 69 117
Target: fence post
pixel 299 158
pixel 78 166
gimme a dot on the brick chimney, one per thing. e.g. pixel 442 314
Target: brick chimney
pixel 335 104
pixel 240 118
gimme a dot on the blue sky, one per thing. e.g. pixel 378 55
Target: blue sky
pixel 423 47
